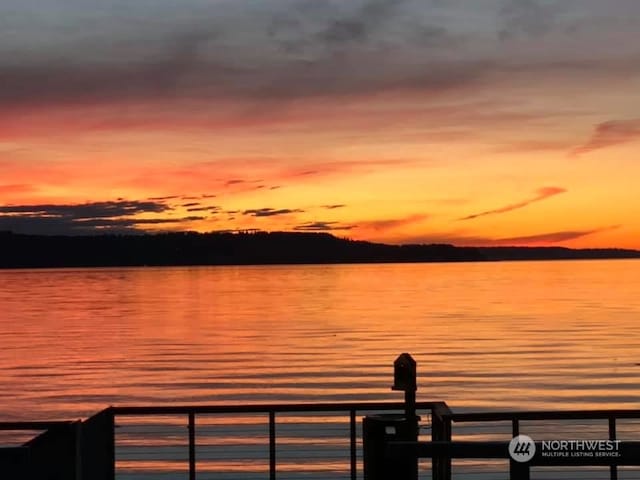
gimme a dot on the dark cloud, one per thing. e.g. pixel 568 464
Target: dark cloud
pixel 200 209
pixel 191 204
pixel 88 218
pixel 82 53
pixel 531 18
pixel 196 60
pixel 190 198
pixel 70 82
pixel 37 225
pixel 609 134
pixel 170 197
pixel 130 222
pixel 333 207
pixel 330 27
pixel 322 227
pixel 87 210
pixel 361 24
pixel 270 212
pixel 542 194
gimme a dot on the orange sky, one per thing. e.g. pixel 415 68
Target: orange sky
pixel 511 122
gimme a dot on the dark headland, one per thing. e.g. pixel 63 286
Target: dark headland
pixel 253 248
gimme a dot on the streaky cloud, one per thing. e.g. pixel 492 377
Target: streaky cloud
pixel 609 134
pixel 333 207
pixel 120 216
pixel 322 227
pixel 463 239
pixel 391 223
pixel 552 237
pixel 542 194
pixel 270 212
pixel 87 210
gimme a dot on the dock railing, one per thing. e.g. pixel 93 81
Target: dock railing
pixel 377 440
pixel 444 448
pixel 279 441
pixel 319 433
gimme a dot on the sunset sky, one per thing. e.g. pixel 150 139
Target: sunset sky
pixel 474 122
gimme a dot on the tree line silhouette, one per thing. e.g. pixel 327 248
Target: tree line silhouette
pixel 244 248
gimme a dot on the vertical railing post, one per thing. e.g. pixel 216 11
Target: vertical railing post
pixel 352 443
pixel 441 432
pixel 192 446
pixel 613 469
pixel 515 427
pixel 78 439
pixel 272 445
pixel 519 471
pixel 97 446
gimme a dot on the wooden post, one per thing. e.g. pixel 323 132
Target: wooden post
pixel 441 432
pixel 97 448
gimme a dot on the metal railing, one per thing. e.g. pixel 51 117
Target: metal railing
pixel 271 414
pixel 442 449
pixel 88 449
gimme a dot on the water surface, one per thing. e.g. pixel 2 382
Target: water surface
pixel 485 335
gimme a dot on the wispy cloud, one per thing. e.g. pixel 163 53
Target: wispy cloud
pixel 270 212
pixel 88 210
pixel 333 207
pixel 391 223
pixel 322 227
pixel 609 134
pixel 546 238
pixel 530 18
pixel 542 194
pixel 551 237
pixel 203 209
pixel 121 216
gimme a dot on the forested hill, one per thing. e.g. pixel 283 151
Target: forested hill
pixel 212 249
pixel 27 251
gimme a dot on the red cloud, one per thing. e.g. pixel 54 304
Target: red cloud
pixel 539 239
pixel 553 237
pixel 610 133
pixel 390 224
pixel 542 194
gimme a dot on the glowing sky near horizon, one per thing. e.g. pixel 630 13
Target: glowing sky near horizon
pixel 474 122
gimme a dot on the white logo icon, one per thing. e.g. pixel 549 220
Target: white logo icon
pixel 522 448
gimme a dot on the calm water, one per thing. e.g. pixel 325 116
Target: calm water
pixel 498 335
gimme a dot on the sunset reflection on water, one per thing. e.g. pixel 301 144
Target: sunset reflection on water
pixel 486 335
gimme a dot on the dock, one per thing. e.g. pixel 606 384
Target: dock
pixel 403 440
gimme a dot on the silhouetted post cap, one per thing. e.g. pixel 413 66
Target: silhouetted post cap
pixel 404 373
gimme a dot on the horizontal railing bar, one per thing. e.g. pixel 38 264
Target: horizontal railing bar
pixel 262 408
pixel 33 425
pixel 457 449
pixel 544 415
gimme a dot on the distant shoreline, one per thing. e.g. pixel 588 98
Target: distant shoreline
pixel 256 248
